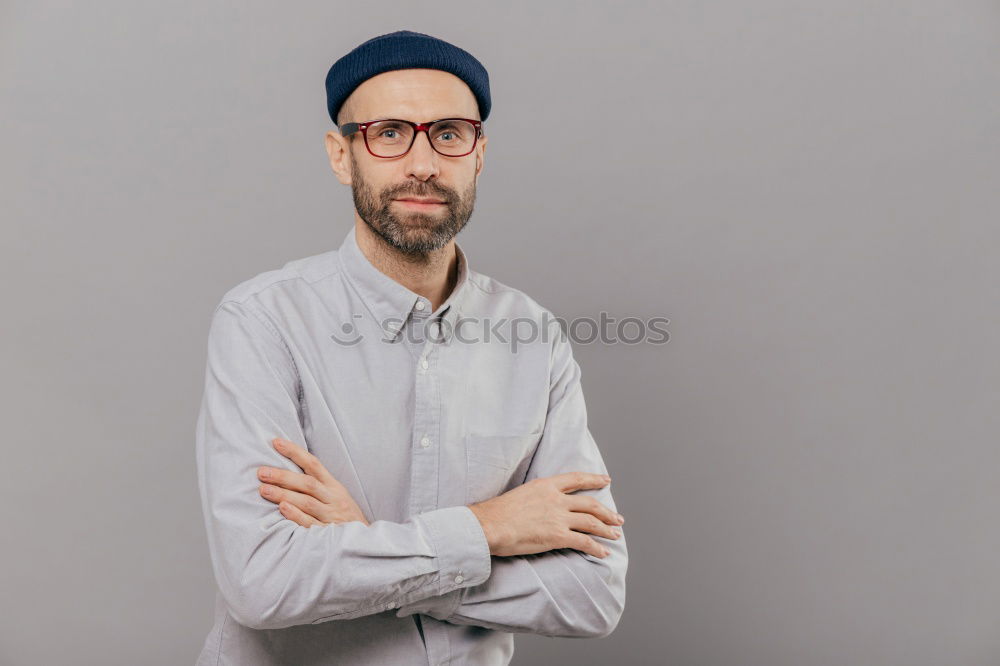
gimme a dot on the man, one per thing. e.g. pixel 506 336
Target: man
pixel 385 477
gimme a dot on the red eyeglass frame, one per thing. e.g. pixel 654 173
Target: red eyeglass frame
pixel 350 128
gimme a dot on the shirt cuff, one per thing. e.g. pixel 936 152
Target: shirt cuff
pixel 463 556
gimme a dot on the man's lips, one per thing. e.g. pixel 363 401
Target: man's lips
pixel 420 203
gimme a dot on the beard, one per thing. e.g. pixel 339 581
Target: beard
pixel 413 233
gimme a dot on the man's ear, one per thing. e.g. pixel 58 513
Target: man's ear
pixel 339 152
pixel 480 156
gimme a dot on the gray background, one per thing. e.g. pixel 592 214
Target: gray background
pixel 809 191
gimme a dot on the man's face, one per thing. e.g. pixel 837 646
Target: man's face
pixel 379 184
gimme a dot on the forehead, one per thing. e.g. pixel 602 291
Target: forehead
pixel 413 94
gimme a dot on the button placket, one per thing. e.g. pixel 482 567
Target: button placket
pixel 426 430
pixel 426 356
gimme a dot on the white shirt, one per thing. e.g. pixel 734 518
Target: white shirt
pixel 330 353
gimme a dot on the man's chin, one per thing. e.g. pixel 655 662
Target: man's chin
pixel 413 238
pixel 413 233
pixel 419 227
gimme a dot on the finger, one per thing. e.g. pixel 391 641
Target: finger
pixel 589 504
pixel 296 515
pixel 303 483
pixel 305 503
pixel 585 522
pixel 585 544
pixel 571 481
pixel 309 463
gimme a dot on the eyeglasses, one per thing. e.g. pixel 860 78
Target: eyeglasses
pixel 453 137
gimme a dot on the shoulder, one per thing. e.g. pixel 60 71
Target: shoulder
pixel 295 275
pixel 514 313
pixel 491 296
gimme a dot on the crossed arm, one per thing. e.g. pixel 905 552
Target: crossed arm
pixel 276 573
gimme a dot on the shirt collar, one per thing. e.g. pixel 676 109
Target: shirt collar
pixel 390 302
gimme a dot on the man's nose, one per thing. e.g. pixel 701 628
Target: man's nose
pixel 422 160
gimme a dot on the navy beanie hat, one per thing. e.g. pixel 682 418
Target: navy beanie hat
pixel 404 49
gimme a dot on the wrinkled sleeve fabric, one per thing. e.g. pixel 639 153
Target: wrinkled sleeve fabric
pixel 563 592
pixel 271 572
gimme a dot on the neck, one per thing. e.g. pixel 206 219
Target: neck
pixel 432 275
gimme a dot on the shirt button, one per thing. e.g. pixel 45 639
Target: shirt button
pixel 424 364
pixel 459 578
pixel 425 442
pixel 420 305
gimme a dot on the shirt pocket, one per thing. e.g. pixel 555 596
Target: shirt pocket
pixel 496 463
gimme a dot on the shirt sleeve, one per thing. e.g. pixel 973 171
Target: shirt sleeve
pixel 562 592
pixel 272 572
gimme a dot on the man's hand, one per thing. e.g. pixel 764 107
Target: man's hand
pixel 539 516
pixel 313 498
